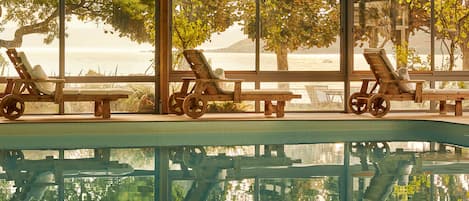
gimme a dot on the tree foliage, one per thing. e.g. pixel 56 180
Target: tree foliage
pixel 452 28
pixel 130 18
pixel 194 21
pixel 383 18
pixel 30 17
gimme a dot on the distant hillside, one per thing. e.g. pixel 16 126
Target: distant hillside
pixel 420 41
pixel 247 45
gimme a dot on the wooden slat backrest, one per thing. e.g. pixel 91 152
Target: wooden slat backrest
pixel 202 70
pixel 22 70
pixel 18 64
pixel 382 70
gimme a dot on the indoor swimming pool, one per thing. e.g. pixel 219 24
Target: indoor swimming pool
pixel 267 160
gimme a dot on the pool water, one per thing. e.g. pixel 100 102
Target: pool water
pixel 300 160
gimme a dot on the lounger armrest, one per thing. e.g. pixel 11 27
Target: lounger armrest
pixel 418 88
pixel 402 81
pixel 412 81
pixel 390 81
pixel 236 90
pixel 35 80
pixel 49 80
pixel 220 80
pixel 19 81
pixel 188 78
pixel 232 80
pixel 58 91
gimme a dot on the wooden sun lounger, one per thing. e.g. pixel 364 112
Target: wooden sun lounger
pixel 392 86
pixel 193 103
pixel 33 85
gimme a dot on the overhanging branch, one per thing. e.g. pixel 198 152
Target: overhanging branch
pixel 40 27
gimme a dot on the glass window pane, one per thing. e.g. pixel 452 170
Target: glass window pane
pixel 300 35
pixel 402 28
pixel 41 108
pixel 142 100
pixel 453 85
pixel 39 44
pixel 115 40
pixel 315 96
pixel 451 29
pixel 212 26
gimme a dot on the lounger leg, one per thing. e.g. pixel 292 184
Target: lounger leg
pixel 280 111
pixel 106 109
pixel 98 108
pixel 9 87
pixel 268 108
pixel 442 107
pixel 458 108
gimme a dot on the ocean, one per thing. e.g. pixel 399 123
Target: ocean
pixel 123 62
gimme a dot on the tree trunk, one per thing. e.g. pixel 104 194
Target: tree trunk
pixel 282 58
pixel 374 38
pixel 361 16
pixel 452 51
pixel 282 64
pixel 465 57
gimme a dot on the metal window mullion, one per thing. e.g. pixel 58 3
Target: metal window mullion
pixel 432 51
pixel 345 181
pixel 60 178
pixel 162 191
pixel 258 34
pixel 156 57
pixel 61 48
pixel 346 42
pixel 432 35
pixel 258 50
pixel 257 197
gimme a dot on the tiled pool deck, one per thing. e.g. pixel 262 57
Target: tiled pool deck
pixel 139 130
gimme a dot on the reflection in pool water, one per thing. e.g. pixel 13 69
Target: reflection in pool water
pixel 361 171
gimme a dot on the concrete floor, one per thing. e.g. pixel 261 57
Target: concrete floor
pixel 239 116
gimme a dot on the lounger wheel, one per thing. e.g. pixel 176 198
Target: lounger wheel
pixel 378 150
pixel 175 103
pixel 379 105
pixel 12 106
pixel 194 106
pixel 358 102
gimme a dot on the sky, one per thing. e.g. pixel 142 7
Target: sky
pixel 225 39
